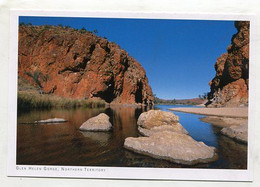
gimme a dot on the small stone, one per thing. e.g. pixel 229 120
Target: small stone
pixel 52 120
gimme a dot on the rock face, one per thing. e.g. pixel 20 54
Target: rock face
pixel 79 64
pixel 167 139
pixel 172 146
pixel 52 120
pixel 230 85
pixel 239 133
pixel 98 123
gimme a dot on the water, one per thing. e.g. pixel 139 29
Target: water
pixel 63 144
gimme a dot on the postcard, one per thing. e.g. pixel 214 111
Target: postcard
pixel 131 95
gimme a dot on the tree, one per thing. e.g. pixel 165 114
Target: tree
pixel 36 76
pixel 22 24
pixel 67 27
pixel 83 30
pixel 204 95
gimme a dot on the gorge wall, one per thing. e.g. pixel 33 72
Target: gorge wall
pixel 79 64
pixel 230 85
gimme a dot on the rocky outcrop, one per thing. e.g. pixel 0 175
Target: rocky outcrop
pixel 172 146
pixel 97 123
pixel 78 64
pixel 230 85
pixel 52 120
pixel 167 139
pixel 239 133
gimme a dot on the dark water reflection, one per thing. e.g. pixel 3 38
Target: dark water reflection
pixel 64 144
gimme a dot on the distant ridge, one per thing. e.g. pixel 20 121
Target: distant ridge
pixel 193 101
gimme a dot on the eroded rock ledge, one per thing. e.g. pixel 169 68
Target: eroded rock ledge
pixel 239 133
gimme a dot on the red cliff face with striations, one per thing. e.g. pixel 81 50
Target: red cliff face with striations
pixel 79 64
pixel 230 85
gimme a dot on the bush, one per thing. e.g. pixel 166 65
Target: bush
pixel 32 100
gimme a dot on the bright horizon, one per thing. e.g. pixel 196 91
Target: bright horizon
pixel 177 55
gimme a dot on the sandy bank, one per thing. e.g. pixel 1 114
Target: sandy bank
pixel 224 121
pixel 224 112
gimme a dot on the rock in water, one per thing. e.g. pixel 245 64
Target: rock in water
pixel 230 85
pixel 154 118
pixel 98 123
pixel 158 121
pixel 172 146
pixel 167 139
pixel 78 64
pixel 178 128
pixel 239 133
pixel 52 120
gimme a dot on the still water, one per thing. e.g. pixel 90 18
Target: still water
pixel 63 144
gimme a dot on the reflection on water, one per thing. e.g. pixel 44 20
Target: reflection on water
pixel 64 144
pixel 99 137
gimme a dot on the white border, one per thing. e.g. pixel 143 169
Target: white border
pixel 121 172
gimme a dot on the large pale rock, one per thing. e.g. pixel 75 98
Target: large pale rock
pixel 154 118
pixel 52 120
pixel 239 133
pixel 172 146
pixel 178 128
pixel 97 123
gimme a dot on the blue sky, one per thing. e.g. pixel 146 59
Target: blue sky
pixel 178 55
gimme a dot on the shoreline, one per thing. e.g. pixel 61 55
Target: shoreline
pixel 236 112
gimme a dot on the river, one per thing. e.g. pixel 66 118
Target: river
pixel 63 144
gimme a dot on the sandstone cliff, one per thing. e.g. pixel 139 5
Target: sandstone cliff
pixel 230 85
pixel 78 64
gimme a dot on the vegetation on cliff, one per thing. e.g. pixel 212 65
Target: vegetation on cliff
pixel 29 97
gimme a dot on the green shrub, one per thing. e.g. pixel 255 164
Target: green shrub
pixel 33 100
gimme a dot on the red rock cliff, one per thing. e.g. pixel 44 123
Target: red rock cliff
pixel 230 85
pixel 79 64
